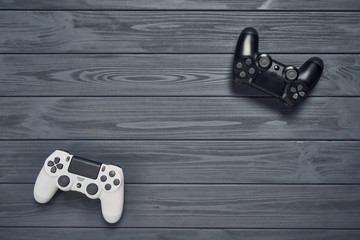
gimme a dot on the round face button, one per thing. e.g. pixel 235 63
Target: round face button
pixel 248 62
pixel 242 74
pixel 116 182
pixel 103 178
pixel 264 62
pixel 63 181
pixel 291 74
pixel 251 70
pixel 108 187
pixel 239 65
pixel 92 189
pixel 112 173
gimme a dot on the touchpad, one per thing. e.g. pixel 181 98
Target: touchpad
pixel 84 167
pixel 274 85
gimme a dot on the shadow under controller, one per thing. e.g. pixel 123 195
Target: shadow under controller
pixel 259 70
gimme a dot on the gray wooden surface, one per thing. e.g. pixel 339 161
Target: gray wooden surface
pixel 159 75
pixel 176 31
pixel 281 5
pixel 194 206
pixel 324 118
pixel 232 162
pixel 147 85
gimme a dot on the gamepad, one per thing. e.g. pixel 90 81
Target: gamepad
pixel 64 171
pixel 259 70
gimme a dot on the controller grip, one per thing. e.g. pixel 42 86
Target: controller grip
pixel 45 187
pixel 248 43
pixel 310 72
pixel 112 205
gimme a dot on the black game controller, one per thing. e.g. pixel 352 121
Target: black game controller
pixel 259 70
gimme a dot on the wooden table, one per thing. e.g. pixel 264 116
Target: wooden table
pixel 147 85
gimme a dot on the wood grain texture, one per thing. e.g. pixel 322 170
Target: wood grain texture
pixel 184 4
pixel 147 85
pixel 154 75
pixel 176 234
pixel 195 206
pixel 178 118
pixel 197 161
pixel 175 32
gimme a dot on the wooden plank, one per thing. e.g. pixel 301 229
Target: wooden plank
pixel 175 31
pixel 155 234
pixel 197 161
pixel 195 206
pixel 183 5
pixel 178 118
pixel 160 75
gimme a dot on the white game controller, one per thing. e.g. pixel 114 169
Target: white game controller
pixel 66 172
